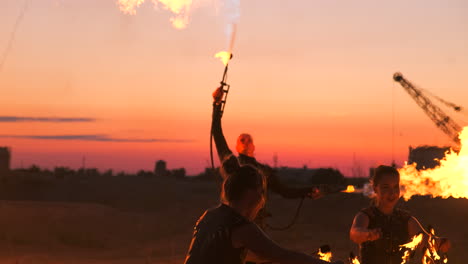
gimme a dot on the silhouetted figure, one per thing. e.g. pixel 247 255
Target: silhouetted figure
pixel 246 149
pixel 224 234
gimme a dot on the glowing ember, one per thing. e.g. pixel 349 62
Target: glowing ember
pixel 410 246
pixel 325 256
pixel 450 179
pixel 224 56
pixel 350 189
pixel 181 9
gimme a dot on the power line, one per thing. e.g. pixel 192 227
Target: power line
pixel 9 45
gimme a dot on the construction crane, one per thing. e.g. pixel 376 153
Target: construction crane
pixel 440 119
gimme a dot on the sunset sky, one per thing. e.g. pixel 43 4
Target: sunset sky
pixel 311 81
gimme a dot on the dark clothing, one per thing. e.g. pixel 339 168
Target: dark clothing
pixel 225 154
pixel 211 242
pixel 394 228
pixel 273 180
pixel 230 163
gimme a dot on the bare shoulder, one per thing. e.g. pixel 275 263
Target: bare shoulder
pixel 361 220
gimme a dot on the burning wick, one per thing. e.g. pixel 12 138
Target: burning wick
pixel 324 253
pixel 224 56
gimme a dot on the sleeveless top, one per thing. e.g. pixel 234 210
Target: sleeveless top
pixel 211 242
pixel 394 228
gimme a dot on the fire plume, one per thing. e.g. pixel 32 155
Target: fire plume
pixel 450 179
pixel 129 6
pixel 180 8
pixel 410 246
pixel 224 56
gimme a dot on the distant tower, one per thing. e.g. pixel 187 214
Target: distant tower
pixel 275 160
pixel 5 158
pixel 160 168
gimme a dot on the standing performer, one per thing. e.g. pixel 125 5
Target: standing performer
pixel 225 234
pixel 381 229
pixel 246 149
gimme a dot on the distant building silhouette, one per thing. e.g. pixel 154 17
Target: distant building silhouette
pixel 426 156
pixel 5 159
pixel 160 168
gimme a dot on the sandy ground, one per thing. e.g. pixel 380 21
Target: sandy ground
pixel 57 232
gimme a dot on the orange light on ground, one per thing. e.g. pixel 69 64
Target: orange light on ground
pixel 350 189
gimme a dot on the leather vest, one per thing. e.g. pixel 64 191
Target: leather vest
pixel 394 228
pixel 211 242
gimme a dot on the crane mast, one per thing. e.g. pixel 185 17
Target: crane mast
pixel 440 119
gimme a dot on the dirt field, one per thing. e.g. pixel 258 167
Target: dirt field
pixel 153 224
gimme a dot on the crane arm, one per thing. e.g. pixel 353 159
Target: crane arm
pixel 440 119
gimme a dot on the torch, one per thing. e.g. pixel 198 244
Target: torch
pixel 225 58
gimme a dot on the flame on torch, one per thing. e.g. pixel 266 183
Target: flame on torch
pixel 449 179
pixel 326 256
pixel 355 260
pixel 430 254
pixel 224 56
pixel 410 246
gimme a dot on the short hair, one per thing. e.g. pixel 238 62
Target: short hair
pixel 382 170
pixel 236 183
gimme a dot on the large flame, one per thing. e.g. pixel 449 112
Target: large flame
pixel 450 179
pixel 410 246
pixel 180 8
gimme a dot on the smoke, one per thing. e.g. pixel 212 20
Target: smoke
pixel 232 11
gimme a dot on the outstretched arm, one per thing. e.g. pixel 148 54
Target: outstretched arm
pixel 254 239
pixel 275 184
pixel 360 233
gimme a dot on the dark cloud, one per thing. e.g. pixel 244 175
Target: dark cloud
pixel 45 119
pixel 100 138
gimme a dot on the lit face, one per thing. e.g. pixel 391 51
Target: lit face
pixel 245 145
pixel 388 191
